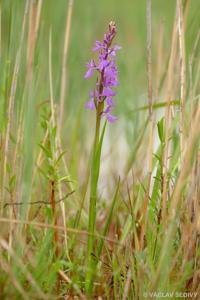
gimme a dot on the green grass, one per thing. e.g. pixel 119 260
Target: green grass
pixel 143 226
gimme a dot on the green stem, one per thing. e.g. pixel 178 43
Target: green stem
pixel 93 199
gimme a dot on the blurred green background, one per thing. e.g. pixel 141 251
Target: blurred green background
pixel 89 22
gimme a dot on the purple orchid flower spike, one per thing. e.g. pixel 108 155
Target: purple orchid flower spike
pixel 101 99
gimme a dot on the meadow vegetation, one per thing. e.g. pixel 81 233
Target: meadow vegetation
pixel 113 215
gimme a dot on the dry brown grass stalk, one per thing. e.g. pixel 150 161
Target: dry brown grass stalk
pixel 64 64
pixel 181 35
pixel 61 228
pixel 150 103
pixel 168 117
pixel 191 86
pixel 34 21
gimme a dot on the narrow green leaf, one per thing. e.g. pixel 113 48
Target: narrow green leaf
pixel 160 126
pixel 46 151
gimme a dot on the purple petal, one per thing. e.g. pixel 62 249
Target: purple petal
pixel 91 67
pixel 98 46
pixel 117 47
pixel 90 105
pixel 107 92
pixel 114 83
pixel 91 64
pixel 89 73
pixel 112 51
pixel 107 110
pixel 110 118
pixel 103 64
pixel 109 82
pixel 109 101
pixel 94 94
pixel 111 74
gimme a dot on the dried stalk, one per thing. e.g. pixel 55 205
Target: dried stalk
pixel 64 62
pixel 150 103
pixel 181 36
pixel 168 120
pixel 34 21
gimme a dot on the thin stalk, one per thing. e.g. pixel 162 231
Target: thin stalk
pixel 34 21
pixel 57 138
pixel 64 62
pixel 127 284
pixel 51 81
pixel 54 154
pixel 159 58
pixel 0 30
pixel 53 207
pixel 61 110
pixel 150 104
pixel 196 82
pixel 168 119
pixel 191 89
pixel 182 72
